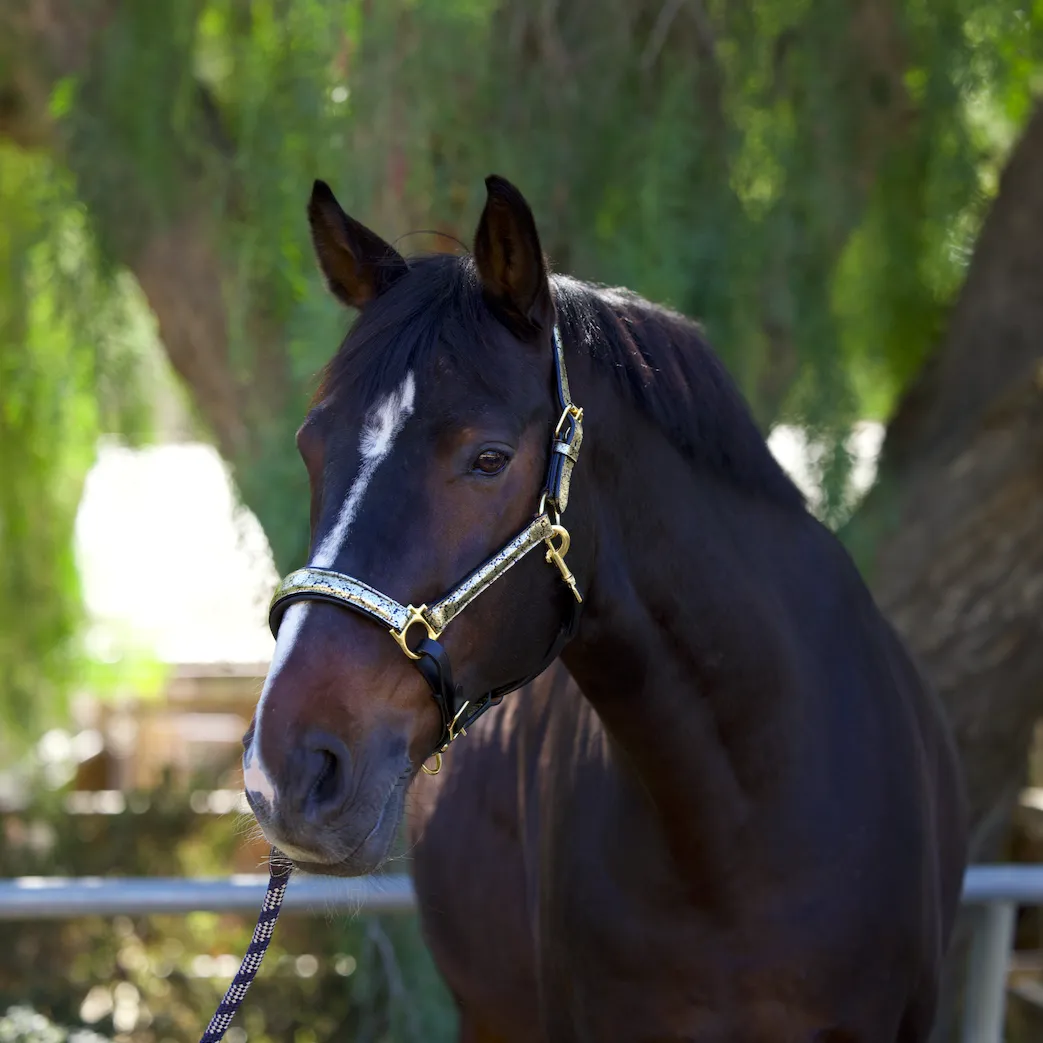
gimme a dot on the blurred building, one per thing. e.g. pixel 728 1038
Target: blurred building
pixel 176 579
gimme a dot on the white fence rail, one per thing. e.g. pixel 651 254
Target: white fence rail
pixel 997 889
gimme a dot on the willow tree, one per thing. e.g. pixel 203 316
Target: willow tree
pixel 70 364
pixel 809 177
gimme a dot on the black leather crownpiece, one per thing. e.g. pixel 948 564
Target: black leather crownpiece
pixel 560 453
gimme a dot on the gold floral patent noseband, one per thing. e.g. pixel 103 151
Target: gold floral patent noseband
pixel 429 655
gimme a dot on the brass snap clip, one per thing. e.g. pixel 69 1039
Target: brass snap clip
pixel 556 556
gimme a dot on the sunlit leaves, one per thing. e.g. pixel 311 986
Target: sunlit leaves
pixel 67 373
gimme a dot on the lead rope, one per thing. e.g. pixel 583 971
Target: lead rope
pixel 279 868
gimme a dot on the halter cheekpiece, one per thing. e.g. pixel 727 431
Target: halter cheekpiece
pixel 430 657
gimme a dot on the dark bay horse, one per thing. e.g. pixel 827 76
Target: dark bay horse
pixel 741 817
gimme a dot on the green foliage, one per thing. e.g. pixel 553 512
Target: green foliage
pixel 24 1025
pixel 150 979
pixel 68 369
pixel 805 176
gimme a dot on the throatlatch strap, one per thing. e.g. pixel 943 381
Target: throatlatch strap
pixel 436 669
pixel 279 869
pixel 434 665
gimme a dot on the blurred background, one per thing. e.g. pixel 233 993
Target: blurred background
pixel 848 194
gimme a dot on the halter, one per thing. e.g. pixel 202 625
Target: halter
pixel 430 657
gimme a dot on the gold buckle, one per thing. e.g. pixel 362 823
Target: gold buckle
pixel 454 733
pixel 571 410
pixel 556 556
pixel 416 615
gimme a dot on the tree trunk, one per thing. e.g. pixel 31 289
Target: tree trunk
pixel 951 536
pixel 956 518
pixel 176 250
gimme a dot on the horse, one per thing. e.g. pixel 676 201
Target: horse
pixel 725 804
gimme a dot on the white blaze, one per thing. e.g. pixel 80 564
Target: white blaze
pixel 382 425
pixel 379 431
pixel 255 778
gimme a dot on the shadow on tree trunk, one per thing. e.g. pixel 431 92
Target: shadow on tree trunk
pixel 951 537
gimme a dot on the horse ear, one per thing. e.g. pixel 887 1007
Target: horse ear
pixel 357 264
pixel 510 261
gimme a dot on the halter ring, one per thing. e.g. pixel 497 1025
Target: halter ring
pixel 416 615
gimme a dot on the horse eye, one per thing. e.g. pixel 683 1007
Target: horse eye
pixel 490 461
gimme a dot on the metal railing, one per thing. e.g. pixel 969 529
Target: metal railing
pixel 61 898
pixel 997 891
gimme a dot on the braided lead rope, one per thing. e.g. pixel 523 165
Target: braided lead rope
pixel 279 874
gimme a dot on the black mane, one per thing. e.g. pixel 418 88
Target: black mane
pixel 657 357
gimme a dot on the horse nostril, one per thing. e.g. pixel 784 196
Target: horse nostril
pixel 325 787
pixel 323 777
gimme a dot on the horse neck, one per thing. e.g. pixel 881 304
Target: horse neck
pixel 686 648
